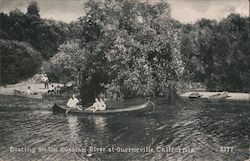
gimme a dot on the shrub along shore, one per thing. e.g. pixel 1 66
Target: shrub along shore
pixel 39 88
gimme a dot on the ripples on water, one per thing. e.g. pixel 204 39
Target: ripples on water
pixel 200 125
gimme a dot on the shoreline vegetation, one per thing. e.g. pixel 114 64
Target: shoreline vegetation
pixel 126 49
pixel 8 100
pixel 38 87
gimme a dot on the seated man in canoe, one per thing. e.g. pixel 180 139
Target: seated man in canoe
pixel 224 93
pixel 194 95
pixel 102 105
pixel 99 105
pixel 28 91
pixel 73 103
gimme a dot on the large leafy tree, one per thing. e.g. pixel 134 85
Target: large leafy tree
pixel 135 44
pixel 217 53
pixel 128 48
pixel 33 9
pixel 43 36
pixel 19 61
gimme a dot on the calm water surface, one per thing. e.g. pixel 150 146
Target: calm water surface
pixel 185 130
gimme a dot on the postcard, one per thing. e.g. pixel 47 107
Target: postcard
pixel 128 80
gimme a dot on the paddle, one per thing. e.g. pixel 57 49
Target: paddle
pixel 67 111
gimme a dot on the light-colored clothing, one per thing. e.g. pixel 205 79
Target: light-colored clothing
pixel 72 102
pixel 28 91
pixel 93 108
pixel 102 106
pixel 51 88
pixel 45 79
pixel 97 106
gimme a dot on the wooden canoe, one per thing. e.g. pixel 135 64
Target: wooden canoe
pixel 146 107
pixel 21 94
pixel 194 95
pixel 219 96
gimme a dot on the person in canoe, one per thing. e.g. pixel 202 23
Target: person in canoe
pixel 94 107
pixel 98 105
pixel 102 105
pixel 224 93
pixel 73 103
pixel 28 91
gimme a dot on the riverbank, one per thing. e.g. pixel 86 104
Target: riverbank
pixel 7 99
pixel 35 86
pixel 232 95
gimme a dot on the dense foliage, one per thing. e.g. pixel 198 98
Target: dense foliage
pixel 68 63
pixel 42 35
pixel 126 49
pixel 218 53
pixel 19 61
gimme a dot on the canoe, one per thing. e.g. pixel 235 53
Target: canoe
pixel 219 96
pixel 194 95
pixel 146 107
pixel 21 94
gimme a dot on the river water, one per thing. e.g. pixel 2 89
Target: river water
pixel 183 130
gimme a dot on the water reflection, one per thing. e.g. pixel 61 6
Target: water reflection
pixel 73 129
pixel 100 123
